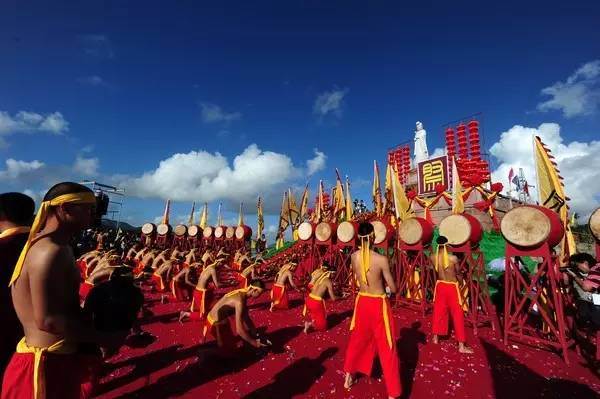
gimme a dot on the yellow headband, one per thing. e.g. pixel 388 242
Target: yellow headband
pixel 40 219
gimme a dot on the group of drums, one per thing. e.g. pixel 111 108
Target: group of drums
pixel 527 226
pixel 241 233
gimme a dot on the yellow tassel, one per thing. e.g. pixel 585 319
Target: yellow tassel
pixel 445 257
pixel 365 257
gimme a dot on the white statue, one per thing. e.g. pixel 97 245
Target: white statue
pixel 420 152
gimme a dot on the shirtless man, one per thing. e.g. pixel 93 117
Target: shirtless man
pixel 161 276
pixel 372 325
pixel 101 274
pixel 314 303
pixel 242 277
pixel 279 295
pixel 203 295
pixel 183 283
pixel 207 257
pixel 447 298
pixel 234 304
pixel 189 258
pixel 146 261
pixel 45 286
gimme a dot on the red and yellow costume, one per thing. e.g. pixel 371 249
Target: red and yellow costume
pixel 84 290
pixel 158 282
pixel 139 268
pixel 82 266
pixel 373 333
pixel 315 306
pixel 201 300
pixel 279 297
pixel 54 372
pixel 223 334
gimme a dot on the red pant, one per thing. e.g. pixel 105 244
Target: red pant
pixel 60 376
pixel 315 306
pixel 446 299
pixel 372 329
pixel 279 297
pixel 82 266
pixel 201 302
pixel 223 334
pixel 158 282
pixel 84 290
pixel 242 280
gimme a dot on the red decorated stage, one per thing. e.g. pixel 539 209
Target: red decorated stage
pixel 175 364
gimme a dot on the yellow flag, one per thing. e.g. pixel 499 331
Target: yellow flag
pixel 241 215
pixel 388 189
pixel 319 210
pixel 293 208
pixel 551 193
pixel 349 205
pixel 401 203
pixel 376 192
pixel 304 204
pixel 191 219
pixel 284 219
pixel 165 219
pixel 458 204
pixel 260 218
pixel 339 204
pixel 204 217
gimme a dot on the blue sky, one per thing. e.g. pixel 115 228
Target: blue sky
pixel 111 89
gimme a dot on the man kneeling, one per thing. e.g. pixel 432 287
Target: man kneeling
pixel 234 304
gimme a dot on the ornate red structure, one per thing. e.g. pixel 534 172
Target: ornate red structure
pixel 472 169
pixel 414 260
pixel 399 157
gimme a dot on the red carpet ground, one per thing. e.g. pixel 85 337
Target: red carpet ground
pixel 175 364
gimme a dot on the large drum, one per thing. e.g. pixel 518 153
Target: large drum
pixel 325 231
pixel 383 231
pixel 230 232
pixel 346 232
pixel 220 231
pixel 594 224
pixel 208 232
pixel 531 225
pixel 416 230
pixel 194 231
pixel 243 232
pixel 180 230
pixel 305 231
pixel 461 229
pixel 163 229
pixel 148 228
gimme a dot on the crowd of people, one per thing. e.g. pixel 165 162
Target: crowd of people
pixel 72 294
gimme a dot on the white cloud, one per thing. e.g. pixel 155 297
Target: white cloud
pixel 330 102
pixel 438 152
pixel 93 80
pixel 31 122
pixel 578 95
pixel 317 163
pixel 578 163
pixel 18 169
pixel 212 113
pixel 88 167
pixel 204 177
pixel 97 46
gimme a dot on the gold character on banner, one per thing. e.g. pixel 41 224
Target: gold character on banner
pixel 433 173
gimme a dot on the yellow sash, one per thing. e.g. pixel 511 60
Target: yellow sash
pixel 14 231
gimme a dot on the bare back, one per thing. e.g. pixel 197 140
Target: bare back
pixel 378 275
pixel 449 273
pixel 209 273
pixel 48 286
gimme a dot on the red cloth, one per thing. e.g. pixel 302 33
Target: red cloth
pixel 139 267
pixel 82 266
pixel 84 290
pixel 62 376
pixel 158 282
pixel 242 281
pixel 201 303
pixel 279 297
pixel 318 314
pixel 236 266
pixel 224 336
pixel 446 299
pixel 371 336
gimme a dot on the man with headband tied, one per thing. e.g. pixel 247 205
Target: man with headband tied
pixel 446 297
pixel 45 281
pixel 372 326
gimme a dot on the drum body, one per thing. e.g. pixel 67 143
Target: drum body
pixel 306 231
pixel 243 233
pixel 208 232
pixel 148 229
pixel 230 232
pixel 163 229
pixel 383 231
pixel 180 230
pixel 325 231
pixel 194 231
pixel 461 229
pixel 594 224
pixel 416 230
pixel 529 226
pixel 346 231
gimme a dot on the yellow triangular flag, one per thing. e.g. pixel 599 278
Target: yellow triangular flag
pixel 458 204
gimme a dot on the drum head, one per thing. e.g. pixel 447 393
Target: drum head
pixel 148 228
pixel 219 231
pixel 525 226
pixel 240 232
pixel 162 229
pixel 192 231
pixel 305 231
pixel 180 230
pixel 229 232
pixel 346 232
pixel 411 231
pixel 595 224
pixel 456 228
pixel 323 231
pixel 207 232
pixel 380 231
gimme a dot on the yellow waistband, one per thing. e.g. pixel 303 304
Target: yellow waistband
pixel 382 296
pixel 315 297
pixel 447 282
pixel 279 285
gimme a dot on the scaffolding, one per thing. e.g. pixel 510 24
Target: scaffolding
pixel 115 195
